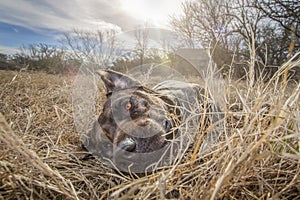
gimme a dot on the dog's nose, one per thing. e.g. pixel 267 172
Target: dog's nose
pixel 128 144
pixel 167 125
pixel 142 122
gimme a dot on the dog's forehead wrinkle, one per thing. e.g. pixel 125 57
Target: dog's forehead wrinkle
pixel 116 100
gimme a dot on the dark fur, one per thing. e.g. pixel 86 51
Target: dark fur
pixel 153 119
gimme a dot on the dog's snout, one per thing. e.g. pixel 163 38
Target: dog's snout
pixel 142 122
pixel 128 144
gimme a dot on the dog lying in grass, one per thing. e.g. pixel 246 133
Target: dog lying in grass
pixel 142 128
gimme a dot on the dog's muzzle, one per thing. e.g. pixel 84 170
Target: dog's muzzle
pixel 142 135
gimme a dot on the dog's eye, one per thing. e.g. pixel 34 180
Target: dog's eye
pixel 128 105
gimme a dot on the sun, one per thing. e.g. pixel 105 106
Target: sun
pixel 156 12
pixel 143 10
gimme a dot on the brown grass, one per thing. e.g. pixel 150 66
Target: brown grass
pixel 41 155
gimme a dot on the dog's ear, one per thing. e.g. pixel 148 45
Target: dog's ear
pixel 115 80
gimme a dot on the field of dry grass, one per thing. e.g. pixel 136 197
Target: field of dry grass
pixel 41 155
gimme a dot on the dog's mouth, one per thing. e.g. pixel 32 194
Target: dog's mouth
pixel 144 135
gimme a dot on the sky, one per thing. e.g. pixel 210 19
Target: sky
pixel 24 22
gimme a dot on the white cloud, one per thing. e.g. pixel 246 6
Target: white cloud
pixel 66 15
pixel 52 17
pixel 9 50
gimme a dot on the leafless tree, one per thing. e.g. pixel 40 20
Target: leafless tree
pixel 209 24
pixel 142 41
pixel 97 47
pixel 185 25
pixel 41 56
pixel 3 57
pixel 203 21
pixel 41 51
pixel 286 13
pixel 228 27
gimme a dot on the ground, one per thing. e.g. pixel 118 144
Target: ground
pixel 41 154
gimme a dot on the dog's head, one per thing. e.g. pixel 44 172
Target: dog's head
pixel 134 117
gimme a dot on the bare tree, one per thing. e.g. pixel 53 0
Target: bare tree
pixel 251 25
pixel 45 57
pixel 148 46
pixel 3 57
pixel 97 47
pixel 203 21
pixel 185 25
pixel 42 51
pixel 286 13
pixel 228 27
pixel 208 24
pixel 142 41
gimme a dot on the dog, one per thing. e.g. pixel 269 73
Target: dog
pixel 142 128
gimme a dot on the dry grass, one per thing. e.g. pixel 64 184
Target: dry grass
pixel 41 156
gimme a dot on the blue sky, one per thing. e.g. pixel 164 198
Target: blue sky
pixel 14 36
pixel 24 22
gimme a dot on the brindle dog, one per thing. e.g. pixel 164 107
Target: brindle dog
pixel 138 125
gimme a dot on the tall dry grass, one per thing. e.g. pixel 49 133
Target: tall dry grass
pixel 257 157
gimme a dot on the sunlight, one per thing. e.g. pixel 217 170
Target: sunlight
pixel 153 11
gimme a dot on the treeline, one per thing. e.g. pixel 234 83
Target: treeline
pixel 100 48
pixel 40 57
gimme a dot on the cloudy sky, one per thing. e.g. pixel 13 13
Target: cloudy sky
pixel 24 22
